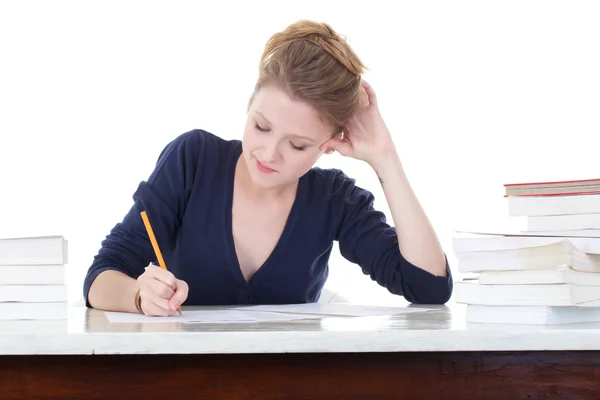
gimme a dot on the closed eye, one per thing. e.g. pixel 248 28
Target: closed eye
pixel 299 148
pixel 260 128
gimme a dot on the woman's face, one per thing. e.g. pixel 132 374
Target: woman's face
pixel 281 138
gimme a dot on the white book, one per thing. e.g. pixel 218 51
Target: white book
pixel 582 233
pixel 33 293
pixel 33 250
pixel 32 274
pixel 531 315
pixel 550 256
pixel 470 292
pixel 539 277
pixel 36 311
pixel 572 222
pixel 489 241
pixel 553 205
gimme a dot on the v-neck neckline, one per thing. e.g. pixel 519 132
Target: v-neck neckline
pixel 285 234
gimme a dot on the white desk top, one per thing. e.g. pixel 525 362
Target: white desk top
pixel 443 329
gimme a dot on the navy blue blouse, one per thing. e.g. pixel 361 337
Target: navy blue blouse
pixel 188 199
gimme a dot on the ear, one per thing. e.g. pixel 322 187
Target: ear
pixel 327 146
pixel 326 150
pixel 339 143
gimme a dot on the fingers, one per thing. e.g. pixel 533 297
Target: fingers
pixel 364 98
pixel 180 295
pixel 371 96
pixel 152 305
pixel 162 275
pixel 160 290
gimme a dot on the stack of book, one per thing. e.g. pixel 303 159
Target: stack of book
pixel 568 208
pixel 548 273
pixel 32 278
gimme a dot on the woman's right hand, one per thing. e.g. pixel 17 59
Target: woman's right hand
pixel 160 292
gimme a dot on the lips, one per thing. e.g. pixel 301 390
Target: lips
pixel 264 168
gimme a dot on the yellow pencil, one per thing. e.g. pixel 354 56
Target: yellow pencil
pixel 161 262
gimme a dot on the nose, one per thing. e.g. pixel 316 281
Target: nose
pixel 271 152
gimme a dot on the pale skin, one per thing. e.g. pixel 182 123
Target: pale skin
pixel 287 137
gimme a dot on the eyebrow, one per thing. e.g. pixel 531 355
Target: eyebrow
pixel 293 135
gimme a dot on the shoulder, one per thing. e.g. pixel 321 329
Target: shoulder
pixel 199 139
pixel 335 186
pixel 197 144
pixel 191 151
pixel 326 180
pixel 344 204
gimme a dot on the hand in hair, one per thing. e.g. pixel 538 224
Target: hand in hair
pixel 366 136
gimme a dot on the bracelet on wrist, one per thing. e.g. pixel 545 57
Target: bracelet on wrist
pixel 138 302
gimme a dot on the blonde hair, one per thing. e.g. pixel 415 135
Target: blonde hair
pixel 313 64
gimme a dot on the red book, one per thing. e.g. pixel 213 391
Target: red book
pixel 557 188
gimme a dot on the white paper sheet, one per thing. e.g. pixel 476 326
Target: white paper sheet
pixel 206 316
pixel 338 309
pixel 266 316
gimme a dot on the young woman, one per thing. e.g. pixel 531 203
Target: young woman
pixel 253 221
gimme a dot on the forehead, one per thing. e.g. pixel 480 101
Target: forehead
pixel 287 116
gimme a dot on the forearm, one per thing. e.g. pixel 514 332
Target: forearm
pixel 416 237
pixel 113 291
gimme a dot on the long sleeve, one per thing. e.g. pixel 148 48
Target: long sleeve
pixel 163 196
pixel 366 239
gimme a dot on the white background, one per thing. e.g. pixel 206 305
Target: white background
pixel 476 93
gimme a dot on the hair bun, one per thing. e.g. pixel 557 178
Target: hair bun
pixel 320 34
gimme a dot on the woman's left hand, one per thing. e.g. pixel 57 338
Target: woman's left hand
pixel 366 136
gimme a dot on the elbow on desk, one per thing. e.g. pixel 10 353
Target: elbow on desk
pixel 421 287
pixel 435 295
